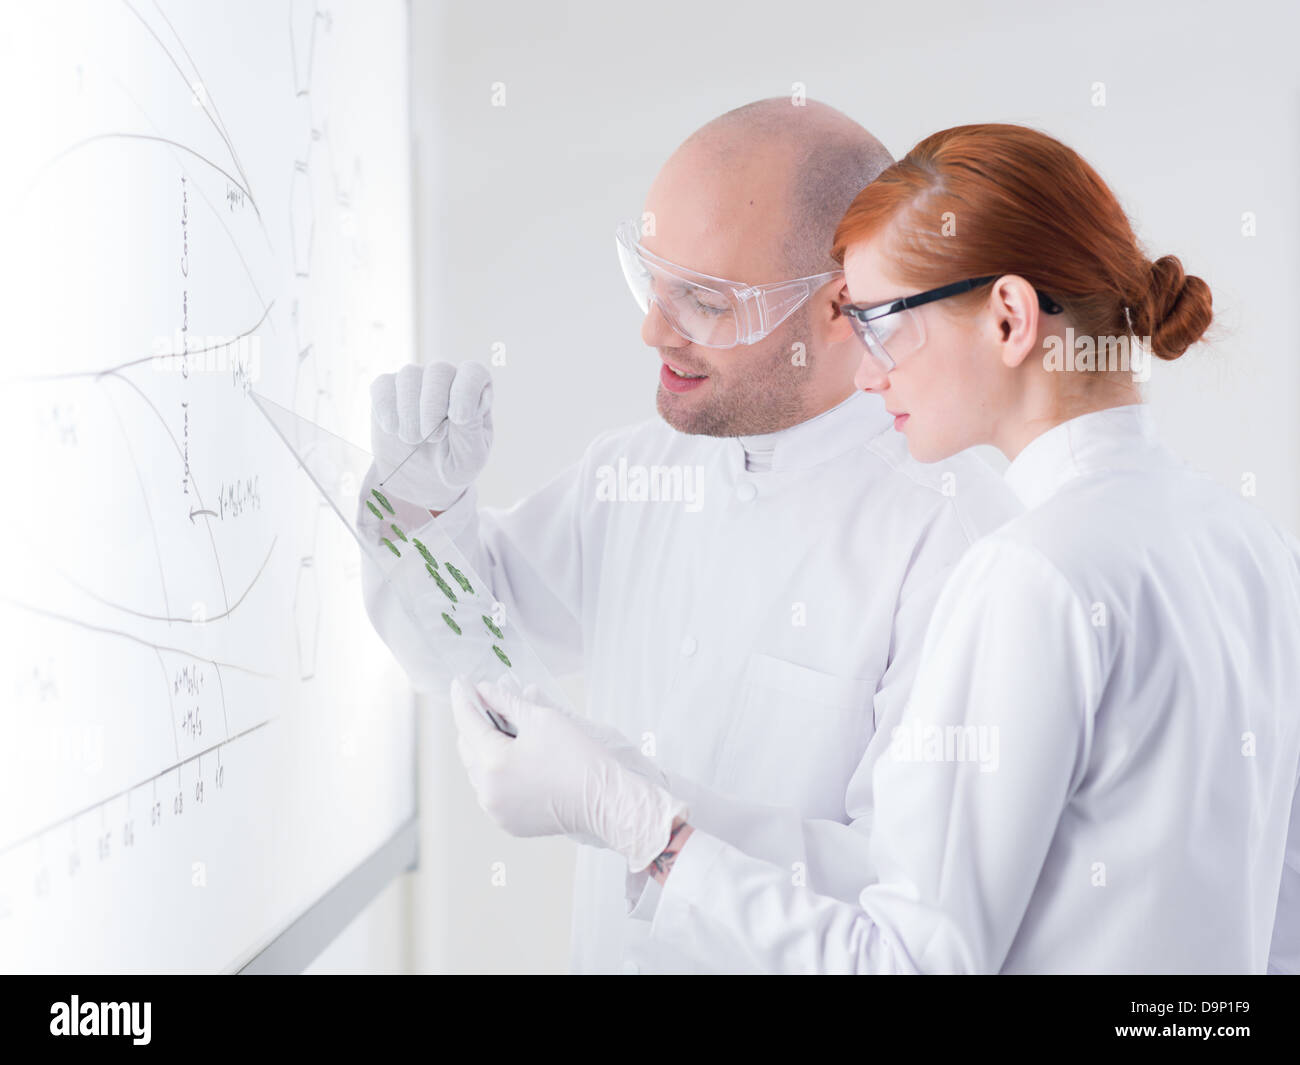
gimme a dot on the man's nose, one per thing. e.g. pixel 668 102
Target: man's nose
pixel 871 376
pixel 656 331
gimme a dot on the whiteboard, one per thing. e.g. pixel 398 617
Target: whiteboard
pixel 201 737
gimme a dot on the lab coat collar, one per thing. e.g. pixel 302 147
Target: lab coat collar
pixel 823 436
pixel 1100 440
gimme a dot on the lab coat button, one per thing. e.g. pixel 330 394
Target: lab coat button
pixel 689 646
pixel 746 491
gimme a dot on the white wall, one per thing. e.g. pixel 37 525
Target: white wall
pixel 516 207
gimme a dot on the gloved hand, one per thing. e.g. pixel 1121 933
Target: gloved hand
pixel 610 738
pixel 452 406
pixel 627 752
pixel 555 778
pixel 614 741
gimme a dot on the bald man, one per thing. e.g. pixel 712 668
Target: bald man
pixel 753 630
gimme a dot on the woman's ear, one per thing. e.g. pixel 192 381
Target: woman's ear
pixel 1014 306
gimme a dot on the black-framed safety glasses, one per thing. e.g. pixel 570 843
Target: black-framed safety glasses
pixel 890 330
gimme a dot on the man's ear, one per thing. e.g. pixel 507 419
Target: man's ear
pixel 838 326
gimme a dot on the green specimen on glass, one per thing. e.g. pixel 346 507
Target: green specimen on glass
pixel 401 535
pixel 380 496
pixel 460 577
pixel 454 627
pixel 501 655
pixel 391 546
pixel 492 628
pixel 446 588
pixel 375 510
pixel 424 551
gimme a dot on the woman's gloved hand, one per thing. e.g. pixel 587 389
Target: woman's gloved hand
pixel 449 405
pixel 557 778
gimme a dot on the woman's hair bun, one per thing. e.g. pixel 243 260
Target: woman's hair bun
pixel 1176 309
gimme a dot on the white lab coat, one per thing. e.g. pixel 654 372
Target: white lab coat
pixel 755 641
pixel 1134 640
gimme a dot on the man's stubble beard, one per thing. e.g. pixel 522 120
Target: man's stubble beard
pixel 766 391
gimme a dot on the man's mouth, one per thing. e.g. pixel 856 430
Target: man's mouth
pixel 678 380
pixel 683 374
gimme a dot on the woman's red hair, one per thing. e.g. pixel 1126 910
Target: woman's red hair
pixel 1002 199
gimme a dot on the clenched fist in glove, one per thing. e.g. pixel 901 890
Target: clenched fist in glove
pixel 442 413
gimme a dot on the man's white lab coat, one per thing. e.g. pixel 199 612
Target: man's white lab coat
pixel 1127 655
pixel 757 632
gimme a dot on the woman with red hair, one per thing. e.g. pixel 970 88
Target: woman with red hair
pixel 1096 770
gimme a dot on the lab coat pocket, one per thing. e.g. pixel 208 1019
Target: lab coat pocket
pixel 797 737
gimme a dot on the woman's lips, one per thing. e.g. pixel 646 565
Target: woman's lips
pixel 900 420
pixel 674 383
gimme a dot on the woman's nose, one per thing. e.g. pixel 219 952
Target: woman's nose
pixel 871 376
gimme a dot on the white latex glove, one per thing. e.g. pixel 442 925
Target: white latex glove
pixel 614 741
pixel 610 738
pixel 451 406
pixel 554 778
pixel 622 748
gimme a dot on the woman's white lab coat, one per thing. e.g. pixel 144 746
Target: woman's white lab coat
pixel 1097 768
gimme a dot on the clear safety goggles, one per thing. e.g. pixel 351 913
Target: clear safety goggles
pixel 706 310
pixel 893 330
